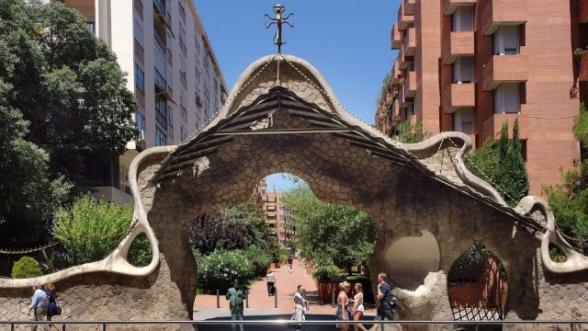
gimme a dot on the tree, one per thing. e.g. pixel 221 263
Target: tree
pixel 569 200
pixel 406 132
pixel 501 163
pixel 66 83
pixel 329 233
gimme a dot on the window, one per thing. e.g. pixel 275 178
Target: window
pixel 170 116
pixel 160 138
pixel 463 70
pixel 182 12
pixel 140 123
pixel 183 78
pixel 464 121
pixel 183 134
pixel 506 40
pixel 197 44
pixel 138 4
pixel 161 111
pixel 507 99
pixel 182 45
pixel 463 19
pixel 410 109
pixel 138 31
pixel 139 78
pixel 160 61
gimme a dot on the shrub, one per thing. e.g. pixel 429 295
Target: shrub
pixel 329 272
pixel 258 259
pixel 91 229
pixel 140 251
pixel 219 269
pixel 26 267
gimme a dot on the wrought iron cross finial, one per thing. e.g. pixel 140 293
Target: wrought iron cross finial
pixel 278 21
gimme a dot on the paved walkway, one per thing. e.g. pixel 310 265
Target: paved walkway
pixel 260 303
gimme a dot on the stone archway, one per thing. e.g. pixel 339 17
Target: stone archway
pixel 283 117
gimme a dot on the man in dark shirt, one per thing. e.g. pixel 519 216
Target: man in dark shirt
pixel 388 303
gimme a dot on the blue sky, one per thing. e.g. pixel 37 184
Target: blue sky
pixel 347 40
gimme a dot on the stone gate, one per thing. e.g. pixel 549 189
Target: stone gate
pixel 282 116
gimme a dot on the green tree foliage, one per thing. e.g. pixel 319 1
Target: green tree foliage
pixel 259 259
pixel 91 229
pixel 569 200
pixel 26 267
pixel 221 268
pixel 66 83
pixel 408 133
pixel 329 233
pixel 140 251
pixel 501 162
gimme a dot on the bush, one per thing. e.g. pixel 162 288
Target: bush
pixel 258 259
pixel 91 229
pixel 329 273
pixel 26 267
pixel 140 253
pixel 221 268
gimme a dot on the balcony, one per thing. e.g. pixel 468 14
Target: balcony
pixel 395 72
pixel 583 11
pixel 583 75
pixel 410 85
pixel 504 69
pixel 449 6
pixel 159 5
pixel 396 41
pixel 502 12
pixel 460 44
pixel 404 20
pixel 409 42
pixel 160 81
pixel 459 96
pixel 404 60
pixel 409 6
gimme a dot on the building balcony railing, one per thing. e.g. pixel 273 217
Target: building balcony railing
pixel 396 37
pixel 459 96
pixel 502 12
pixel 395 72
pixel 404 19
pixel 409 6
pixel 449 6
pixel 410 85
pixel 160 81
pixel 159 40
pixel 404 60
pixel 159 5
pixel 504 69
pixel 583 11
pixel 583 74
pixel 409 42
pixel 460 44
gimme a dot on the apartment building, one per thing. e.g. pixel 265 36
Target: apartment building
pixel 171 67
pixel 471 65
pixel 580 46
pixel 277 216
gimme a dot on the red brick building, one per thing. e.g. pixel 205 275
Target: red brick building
pixel 471 65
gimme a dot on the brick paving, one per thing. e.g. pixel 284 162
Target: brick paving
pixel 287 281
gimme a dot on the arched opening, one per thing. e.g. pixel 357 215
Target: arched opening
pixel 285 230
pixel 477 285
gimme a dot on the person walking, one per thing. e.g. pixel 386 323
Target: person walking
pixel 358 307
pixel 290 261
pixel 53 308
pixel 300 306
pixel 39 303
pixel 271 283
pixel 387 302
pixel 343 309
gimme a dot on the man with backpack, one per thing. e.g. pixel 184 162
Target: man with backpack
pixel 388 302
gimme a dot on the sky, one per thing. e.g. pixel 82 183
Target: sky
pixel 348 41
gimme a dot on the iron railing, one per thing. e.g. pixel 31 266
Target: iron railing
pixel 572 324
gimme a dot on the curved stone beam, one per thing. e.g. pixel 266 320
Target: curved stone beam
pixel 116 261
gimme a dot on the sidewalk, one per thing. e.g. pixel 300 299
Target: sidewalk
pixel 261 304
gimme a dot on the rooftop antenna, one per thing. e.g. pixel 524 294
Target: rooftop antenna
pixel 278 21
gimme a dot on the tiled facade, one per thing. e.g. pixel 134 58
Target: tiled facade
pixel 171 68
pixel 479 63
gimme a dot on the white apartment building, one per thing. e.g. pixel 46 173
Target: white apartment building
pixel 171 67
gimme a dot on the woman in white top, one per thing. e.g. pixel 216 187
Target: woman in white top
pixel 300 306
pixel 358 307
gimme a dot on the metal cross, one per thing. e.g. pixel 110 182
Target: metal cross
pixel 278 21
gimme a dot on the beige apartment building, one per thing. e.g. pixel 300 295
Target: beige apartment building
pixel 276 215
pixel 471 65
pixel 171 67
